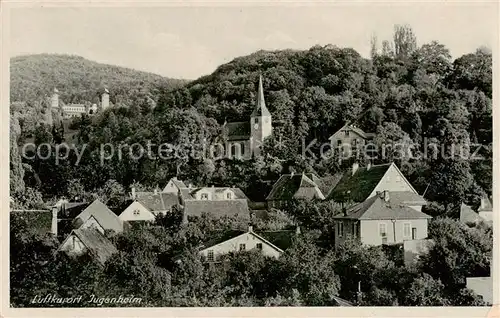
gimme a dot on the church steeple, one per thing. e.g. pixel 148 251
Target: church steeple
pixel 260 121
pixel 260 107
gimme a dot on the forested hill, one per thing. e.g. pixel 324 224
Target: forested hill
pixel 34 77
pixel 406 94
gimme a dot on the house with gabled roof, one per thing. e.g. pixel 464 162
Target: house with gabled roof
pixel 361 183
pixel 385 218
pixel 134 210
pixel 350 137
pixel 270 243
pixel 97 215
pixel 88 240
pixel 174 185
pixel 301 186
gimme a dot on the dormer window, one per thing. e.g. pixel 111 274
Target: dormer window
pixel 204 196
pixel 229 195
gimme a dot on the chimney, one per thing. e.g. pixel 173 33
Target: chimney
pixel 133 193
pixel 297 230
pixel 250 228
pixel 386 196
pixel 355 167
pixel 53 229
pixel 190 186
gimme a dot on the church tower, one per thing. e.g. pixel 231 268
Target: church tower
pixel 260 121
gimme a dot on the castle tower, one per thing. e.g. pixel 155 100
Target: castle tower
pixel 260 121
pixel 54 100
pixel 105 99
pixel 53 104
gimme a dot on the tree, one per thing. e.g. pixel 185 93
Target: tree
pixel 426 291
pixel 405 42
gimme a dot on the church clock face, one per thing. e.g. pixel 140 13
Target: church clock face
pixel 256 126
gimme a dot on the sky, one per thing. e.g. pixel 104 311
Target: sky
pixel 191 41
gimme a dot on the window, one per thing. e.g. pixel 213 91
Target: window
pixel 354 229
pixel 210 255
pixel 228 195
pixel 346 133
pixel 340 229
pixel 73 241
pixel 204 196
pixel 406 230
pixel 339 142
pixel 382 229
pixel 259 246
pixel 242 247
pixel 256 120
pixel 242 148
pixel 137 212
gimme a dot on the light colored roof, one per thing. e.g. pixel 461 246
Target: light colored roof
pixel 467 215
pixel 375 208
pixel 355 129
pixel 106 218
pixel 97 244
pixel 487 205
pixel 218 208
pixel 482 286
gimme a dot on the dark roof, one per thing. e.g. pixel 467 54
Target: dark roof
pixel 358 187
pixel 299 186
pixel 375 208
pixel 99 246
pixel 72 209
pixel 238 130
pixel 221 237
pixel 186 193
pixel 218 208
pixel 158 202
pixel 341 302
pixel 327 183
pixel 282 239
pixel 106 218
pixel 260 106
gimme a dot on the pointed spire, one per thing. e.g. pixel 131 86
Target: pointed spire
pixel 260 108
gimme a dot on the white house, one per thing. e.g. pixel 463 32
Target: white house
pixel 136 211
pixel 270 243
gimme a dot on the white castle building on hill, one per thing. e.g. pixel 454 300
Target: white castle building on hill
pixel 74 110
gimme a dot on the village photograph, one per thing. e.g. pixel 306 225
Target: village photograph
pixel 251 156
